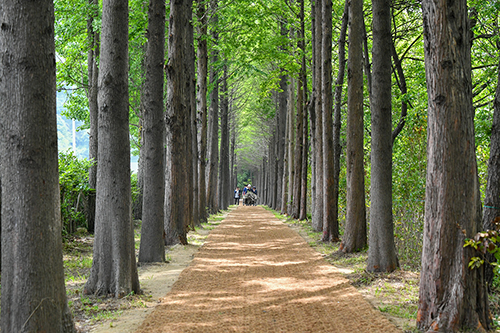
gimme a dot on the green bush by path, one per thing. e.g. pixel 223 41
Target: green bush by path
pixel 74 190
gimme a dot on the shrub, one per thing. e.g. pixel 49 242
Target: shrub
pixel 74 189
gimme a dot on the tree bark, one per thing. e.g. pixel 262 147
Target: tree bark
pixel 355 224
pixel 189 60
pixel 297 183
pixel 33 290
pixel 93 73
pixel 491 209
pixel 152 248
pixel 305 150
pixel 178 119
pixel 382 250
pixel 452 296
pixel 213 120
pixel 291 147
pixel 281 132
pixel 284 181
pixel 202 59
pixel 337 149
pixel 317 215
pixel 224 173
pixel 114 268
pixel 330 227
pixel 400 75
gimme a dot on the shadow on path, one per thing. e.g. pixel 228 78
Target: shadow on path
pixel 254 274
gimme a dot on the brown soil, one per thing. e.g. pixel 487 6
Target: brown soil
pixel 254 274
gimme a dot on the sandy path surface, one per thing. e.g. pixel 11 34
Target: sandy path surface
pixel 254 274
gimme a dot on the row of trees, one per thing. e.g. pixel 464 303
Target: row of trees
pixel 219 55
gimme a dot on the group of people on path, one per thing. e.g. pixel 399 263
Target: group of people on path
pixel 249 194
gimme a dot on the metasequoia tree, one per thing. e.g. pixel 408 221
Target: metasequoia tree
pixel 317 211
pixel 224 173
pixel 152 248
pixel 355 221
pixel 492 191
pixel 178 121
pixel 305 152
pixel 290 148
pixel 202 59
pixel 213 116
pixel 33 291
pixel 452 296
pixel 114 268
pixel 337 112
pixel 93 74
pixel 382 251
pixel 330 225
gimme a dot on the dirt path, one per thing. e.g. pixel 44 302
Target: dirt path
pixel 254 274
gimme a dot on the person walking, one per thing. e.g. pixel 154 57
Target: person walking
pixel 237 196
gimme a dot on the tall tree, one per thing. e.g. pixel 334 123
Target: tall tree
pixel 355 221
pixel 382 251
pixel 224 174
pixel 201 99
pixel 330 225
pixel 213 115
pixel 33 293
pixel 93 74
pixel 492 192
pixel 299 124
pixel 452 297
pixel 114 268
pixel 178 117
pixel 337 112
pixel 317 216
pixel 305 152
pixel 152 248
pixel 291 146
pixel 281 132
pixel 190 72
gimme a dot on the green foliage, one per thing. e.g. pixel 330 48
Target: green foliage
pixel 74 190
pixel 486 242
pixel 136 191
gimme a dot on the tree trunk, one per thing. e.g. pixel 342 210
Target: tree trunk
pixel 224 174
pixel 491 209
pixel 305 150
pixel 382 251
pixel 298 149
pixel 330 227
pixel 281 133
pixel 355 224
pixel 189 60
pixel 317 215
pixel 312 108
pixel 452 296
pixel 400 75
pixel 337 149
pixel 152 248
pixel 178 118
pixel 114 268
pixel 93 73
pixel 284 181
pixel 33 291
pixel 291 147
pixel 213 120
pixel 202 108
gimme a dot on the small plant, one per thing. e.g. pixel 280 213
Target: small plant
pixel 486 242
